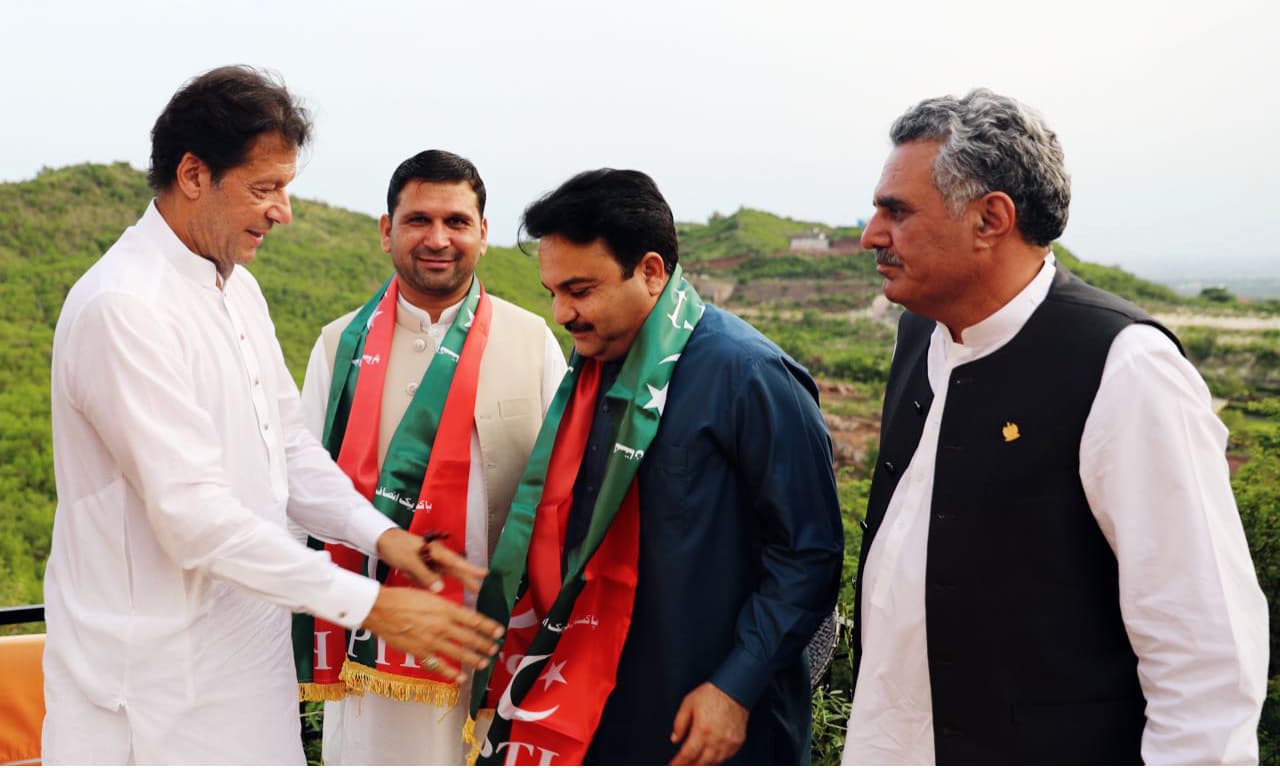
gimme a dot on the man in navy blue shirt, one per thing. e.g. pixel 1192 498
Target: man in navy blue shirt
pixel 740 542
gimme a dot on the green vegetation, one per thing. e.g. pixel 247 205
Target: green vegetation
pixel 52 228
pixel 833 347
pixel 746 232
pixel 796 266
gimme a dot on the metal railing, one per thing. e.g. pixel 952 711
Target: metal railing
pixel 21 614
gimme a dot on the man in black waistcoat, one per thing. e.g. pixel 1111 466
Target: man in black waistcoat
pixel 1053 568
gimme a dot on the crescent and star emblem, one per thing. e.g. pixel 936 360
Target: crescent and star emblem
pixel 509 711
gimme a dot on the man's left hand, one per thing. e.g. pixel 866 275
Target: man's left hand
pixel 712 726
pixel 403 550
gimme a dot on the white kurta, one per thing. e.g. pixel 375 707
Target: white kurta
pixel 1153 466
pixel 179 448
pixel 372 729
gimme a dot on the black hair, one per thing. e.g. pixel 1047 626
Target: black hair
pixel 622 208
pixel 436 166
pixel 217 116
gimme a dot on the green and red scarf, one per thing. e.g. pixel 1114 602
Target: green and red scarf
pixel 565 632
pixel 421 485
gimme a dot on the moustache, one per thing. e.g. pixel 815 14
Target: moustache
pixel 578 327
pixel 887 258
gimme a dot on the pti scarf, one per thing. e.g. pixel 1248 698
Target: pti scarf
pixel 565 631
pixel 422 485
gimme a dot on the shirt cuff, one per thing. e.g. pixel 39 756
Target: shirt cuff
pixel 739 677
pixel 364 526
pixel 350 598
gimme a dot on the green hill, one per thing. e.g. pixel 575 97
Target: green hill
pixel 746 232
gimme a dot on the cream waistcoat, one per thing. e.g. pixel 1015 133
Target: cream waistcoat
pixel 508 407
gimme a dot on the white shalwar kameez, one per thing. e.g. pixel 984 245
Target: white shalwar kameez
pixel 179 449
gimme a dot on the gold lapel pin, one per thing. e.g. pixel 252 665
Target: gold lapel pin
pixel 1010 432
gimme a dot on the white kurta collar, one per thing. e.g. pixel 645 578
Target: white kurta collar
pixel 189 264
pixel 417 318
pixel 999 327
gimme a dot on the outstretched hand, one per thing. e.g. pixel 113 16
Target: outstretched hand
pixel 444 636
pixel 712 726
pixel 403 551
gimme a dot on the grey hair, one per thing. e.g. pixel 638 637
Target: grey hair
pixel 993 143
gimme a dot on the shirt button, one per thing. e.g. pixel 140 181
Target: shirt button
pixel 412 388
pixel 266 427
pixel 257 382
pixel 420 345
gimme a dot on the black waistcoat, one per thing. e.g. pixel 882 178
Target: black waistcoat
pixel 1028 657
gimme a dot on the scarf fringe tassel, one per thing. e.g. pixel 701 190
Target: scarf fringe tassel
pixel 361 679
pixel 469 738
pixel 322 691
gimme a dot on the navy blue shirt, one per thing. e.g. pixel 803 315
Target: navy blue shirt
pixel 740 547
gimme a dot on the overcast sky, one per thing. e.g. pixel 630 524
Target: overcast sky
pixel 1169 112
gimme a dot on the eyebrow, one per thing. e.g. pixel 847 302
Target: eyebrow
pixel 451 215
pixel 890 202
pixel 566 284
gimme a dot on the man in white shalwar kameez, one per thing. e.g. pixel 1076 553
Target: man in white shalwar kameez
pixel 179 451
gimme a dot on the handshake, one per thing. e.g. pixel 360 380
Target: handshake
pixel 447 636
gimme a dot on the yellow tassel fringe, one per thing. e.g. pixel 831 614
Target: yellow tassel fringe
pixel 471 732
pixel 469 738
pixel 361 679
pixel 322 691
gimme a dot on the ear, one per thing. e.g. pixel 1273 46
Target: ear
pixel 193 176
pixel 998 217
pixel 384 226
pixel 654 271
pixel 484 235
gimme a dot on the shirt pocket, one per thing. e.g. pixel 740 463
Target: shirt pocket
pixel 516 408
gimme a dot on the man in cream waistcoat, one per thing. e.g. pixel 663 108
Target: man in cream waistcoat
pixel 507 361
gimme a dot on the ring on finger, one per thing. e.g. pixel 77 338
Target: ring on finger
pixel 431 664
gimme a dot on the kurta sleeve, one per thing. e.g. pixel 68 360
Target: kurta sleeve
pixel 783 459
pixel 129 382
pixel 1153 464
